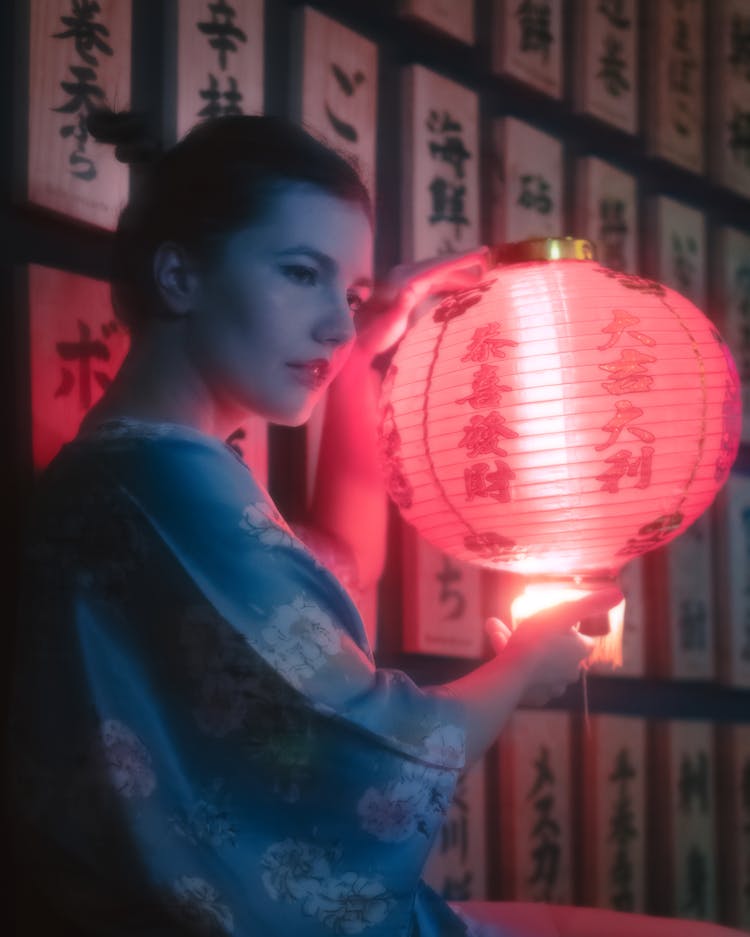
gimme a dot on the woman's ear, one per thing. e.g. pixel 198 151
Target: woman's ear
pixel 177 279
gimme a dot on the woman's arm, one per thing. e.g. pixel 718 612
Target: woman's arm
pixel 349 500
pixel 489 694
pixel 540 658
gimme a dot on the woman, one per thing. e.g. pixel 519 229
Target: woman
pixel 203 744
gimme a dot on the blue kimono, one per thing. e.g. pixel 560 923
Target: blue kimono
pixel 201 742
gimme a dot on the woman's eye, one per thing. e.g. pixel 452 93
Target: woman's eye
pixel 308 276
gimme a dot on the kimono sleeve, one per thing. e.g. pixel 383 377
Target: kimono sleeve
pixel 230 540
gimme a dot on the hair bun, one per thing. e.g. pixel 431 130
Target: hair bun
pixel 129 133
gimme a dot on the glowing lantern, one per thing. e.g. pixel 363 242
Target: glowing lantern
pixel 559 418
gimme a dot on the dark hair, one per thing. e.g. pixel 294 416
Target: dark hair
pixel 220 177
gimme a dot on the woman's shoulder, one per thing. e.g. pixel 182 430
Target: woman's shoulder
pixel 178 448
pixel 166 469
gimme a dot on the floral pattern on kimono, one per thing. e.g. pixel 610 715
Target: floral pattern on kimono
pixel 202 741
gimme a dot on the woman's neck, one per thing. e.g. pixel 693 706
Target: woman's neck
pixel 156 383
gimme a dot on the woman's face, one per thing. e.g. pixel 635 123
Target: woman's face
pixel 283 295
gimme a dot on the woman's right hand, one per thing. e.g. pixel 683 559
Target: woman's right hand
pixel 547 646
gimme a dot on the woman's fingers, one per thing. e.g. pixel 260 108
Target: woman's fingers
pixel 447 272
pixel 499 633
pixel 566 615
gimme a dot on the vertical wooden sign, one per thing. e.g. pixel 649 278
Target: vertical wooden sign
pixel 680 248
pixel 453 17
pixel 730 94
pixel 527 182
pixel 334 96
pixel 733 548
pixel 79 60
pixel 734 818
pixel 535 807
pixel 676 71
pixel 76 348
pixel 457 866
pixel 606 68
pixel 606 213
pixel 686 812
pixel 615 858
pixel 440 216
pixel 441 165
pixel 681 594
pixel 632 584
pixel 527 42
pixel 441 601
pixel 732 309
pixel 219 60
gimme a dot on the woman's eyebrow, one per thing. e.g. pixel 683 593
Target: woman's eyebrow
pixel 325 261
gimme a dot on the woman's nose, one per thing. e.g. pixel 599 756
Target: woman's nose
pixel 336 327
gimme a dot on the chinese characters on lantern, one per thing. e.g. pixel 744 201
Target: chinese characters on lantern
pixel 79 62
pixel 483 433
pixel 219 60
pixel 628 374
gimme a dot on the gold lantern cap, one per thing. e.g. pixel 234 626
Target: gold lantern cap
pixel 532 249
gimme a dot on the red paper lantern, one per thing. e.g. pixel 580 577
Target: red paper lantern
pixel 559 418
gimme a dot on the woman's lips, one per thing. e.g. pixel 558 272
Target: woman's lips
pixel 312 374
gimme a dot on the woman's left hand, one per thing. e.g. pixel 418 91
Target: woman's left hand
pixel 409 291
